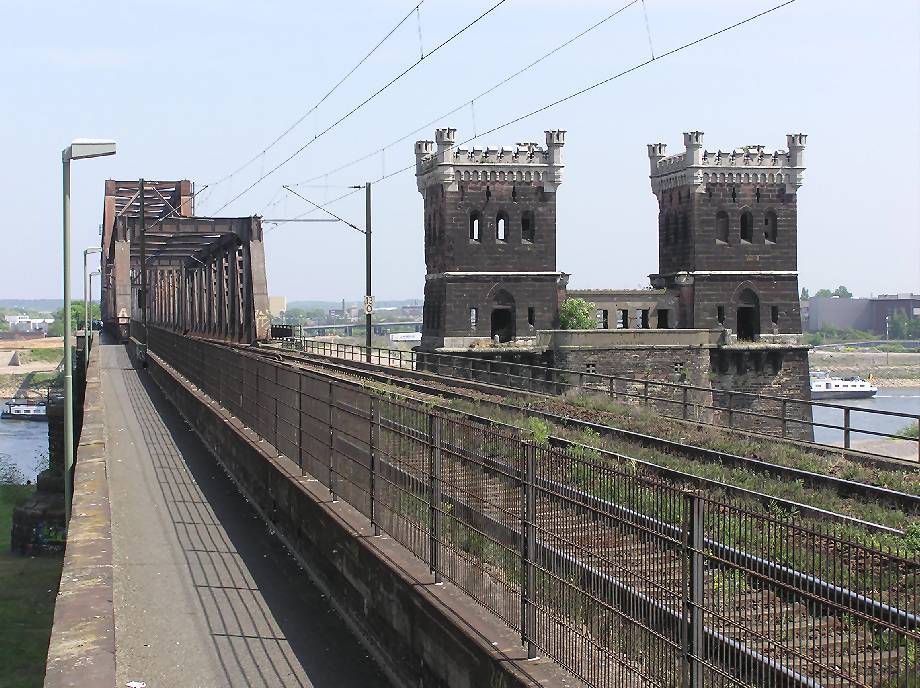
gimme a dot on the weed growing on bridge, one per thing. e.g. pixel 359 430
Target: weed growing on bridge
pixel 795 491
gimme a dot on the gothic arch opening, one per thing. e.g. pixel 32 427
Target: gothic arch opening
pixel 721 227
pixel 501 227
pixel 747 227
pixel 769 227
pixel 475 219
pixel 747 323
pixel 503 316
pixel 528 230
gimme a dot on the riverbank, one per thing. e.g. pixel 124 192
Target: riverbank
pixel 885 369
pixel 28 589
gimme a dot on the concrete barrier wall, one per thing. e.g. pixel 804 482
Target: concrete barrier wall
pixel 423 635
pixel 82 647
pixel 616 339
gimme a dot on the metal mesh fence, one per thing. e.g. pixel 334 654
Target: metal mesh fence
pixel 622 580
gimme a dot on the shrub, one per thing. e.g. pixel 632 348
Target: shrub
pixel 577 314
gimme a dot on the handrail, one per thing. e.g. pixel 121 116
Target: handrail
pixel 606 384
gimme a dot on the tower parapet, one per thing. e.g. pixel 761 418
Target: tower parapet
pixel 524 163
pixel 748 164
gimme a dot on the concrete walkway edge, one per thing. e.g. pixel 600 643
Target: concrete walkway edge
pixel 82 647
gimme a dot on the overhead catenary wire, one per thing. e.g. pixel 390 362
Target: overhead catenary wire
pixel 479 96
pixel 582 91
pixel 364 102
pixel 328 93
pixel 648 30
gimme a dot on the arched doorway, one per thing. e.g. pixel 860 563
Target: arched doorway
pixel 748 315
pixel 503 316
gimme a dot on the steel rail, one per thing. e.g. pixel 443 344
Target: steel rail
pixel 842 486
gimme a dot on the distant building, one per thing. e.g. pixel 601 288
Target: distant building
pixel 869 315
pixel 24 323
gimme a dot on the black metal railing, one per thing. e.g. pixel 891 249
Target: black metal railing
pixel 778 416
pixel 621 579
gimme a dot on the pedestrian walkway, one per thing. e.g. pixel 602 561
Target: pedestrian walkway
pixel 205 595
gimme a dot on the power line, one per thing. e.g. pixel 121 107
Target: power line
pixel 586 89
pixel 320 101
pixel 361 105
pixel 328 212
pixel 570 96
pixel 466 103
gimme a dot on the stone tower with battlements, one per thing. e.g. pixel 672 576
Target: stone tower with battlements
pixel 490 240
pixel 727 239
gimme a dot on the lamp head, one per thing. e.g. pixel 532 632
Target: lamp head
pixel 88 148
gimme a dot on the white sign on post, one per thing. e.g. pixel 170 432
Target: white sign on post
pixel 368 305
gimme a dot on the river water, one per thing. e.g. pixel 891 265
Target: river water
pixel 23 448
pixel 900 399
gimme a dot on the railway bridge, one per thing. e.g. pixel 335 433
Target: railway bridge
pixel 259 513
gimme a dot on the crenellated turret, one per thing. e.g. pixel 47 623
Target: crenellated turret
pixel 696 166
pixel 525 162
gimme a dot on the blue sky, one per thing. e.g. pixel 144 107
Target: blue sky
pixel 193 90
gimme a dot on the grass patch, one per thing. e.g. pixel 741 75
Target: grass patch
pixel 53 355
pixel 28 588
pixel 821 498
pixel 607 411
pixel 910 431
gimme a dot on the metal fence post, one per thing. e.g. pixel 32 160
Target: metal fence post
pixel 846 428
pixel 275 414
pixel 784 417
pixel 645 393
pixel 372 464
pixel 434 492
pixel 528 537
pixel 731 409
pixel 331 446
pixel 684 402
pixel 300 423
pixel 693 596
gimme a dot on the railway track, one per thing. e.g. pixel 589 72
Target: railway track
pixel 493 396
pixel 763 621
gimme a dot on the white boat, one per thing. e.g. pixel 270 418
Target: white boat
pixel 24 409
pixel 824 386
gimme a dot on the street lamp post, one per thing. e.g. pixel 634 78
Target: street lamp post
pixel 86 302
pixel 368 294
pixel 77 150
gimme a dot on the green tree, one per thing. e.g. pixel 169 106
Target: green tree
pixel 577 314
pixel 902 327
pixel 843 292
pixel 56 329
pixel 823 294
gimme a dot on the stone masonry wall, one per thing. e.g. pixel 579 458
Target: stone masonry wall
pixel 447 216
pixel 773 371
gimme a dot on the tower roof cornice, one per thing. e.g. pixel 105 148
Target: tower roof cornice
pixel 444 162
pixel 696 166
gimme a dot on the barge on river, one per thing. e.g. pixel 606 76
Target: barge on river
pixel 24 409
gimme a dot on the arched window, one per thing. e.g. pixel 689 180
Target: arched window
pixel 501 227
pixel 721 227
pixel 475 219
pixel 528 230
pixel 769 227
pixel 747 227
